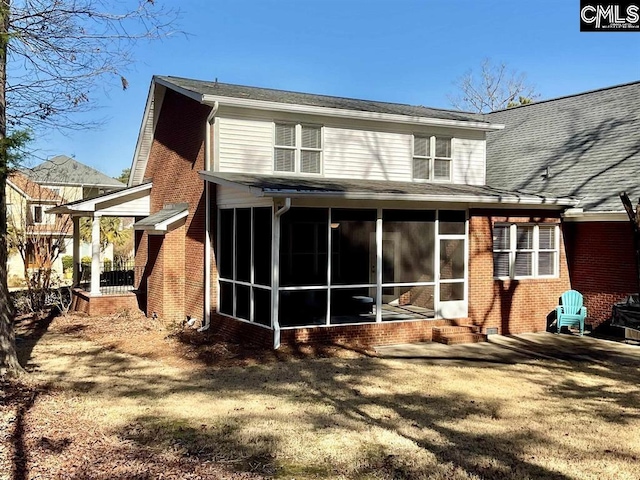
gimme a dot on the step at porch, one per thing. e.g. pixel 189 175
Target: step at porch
pixel 453 335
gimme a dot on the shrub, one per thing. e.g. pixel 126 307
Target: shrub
pixel 67 263
pixel 85 259
pixel 107 265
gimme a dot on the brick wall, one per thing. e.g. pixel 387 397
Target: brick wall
pixel 174 274
pixel 602 264
pixel 511 306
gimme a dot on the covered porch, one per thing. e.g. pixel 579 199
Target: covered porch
pixel 102 287
pixel 315 257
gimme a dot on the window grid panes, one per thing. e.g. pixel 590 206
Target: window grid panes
pixel 525 251
pixel 298 148
pixel 432 158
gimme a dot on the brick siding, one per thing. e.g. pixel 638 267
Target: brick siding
pixel 602 264
pixel 103 305
pixel 173 280
pixel 511 306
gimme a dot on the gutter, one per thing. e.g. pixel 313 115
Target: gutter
pixel 275 253
pixel 579 215
pixel 207 237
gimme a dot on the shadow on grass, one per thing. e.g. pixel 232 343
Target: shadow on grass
pixel 355 393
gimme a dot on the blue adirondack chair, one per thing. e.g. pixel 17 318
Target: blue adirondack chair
pixel 571 313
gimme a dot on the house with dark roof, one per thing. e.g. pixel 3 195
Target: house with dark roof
pixel 284 217
pixel 585 146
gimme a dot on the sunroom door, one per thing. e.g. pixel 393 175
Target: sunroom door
pixel 452 268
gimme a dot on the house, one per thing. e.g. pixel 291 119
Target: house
pixel 586 146
pixel 283 217
pixel 31 194
pixel 31 229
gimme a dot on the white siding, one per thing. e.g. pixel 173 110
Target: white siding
pixel 231 197
pixel 350 153
pixel 469 161
pixel 244 146
pixel 139 207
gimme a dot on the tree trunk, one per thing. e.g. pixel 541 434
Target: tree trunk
pixel 9 364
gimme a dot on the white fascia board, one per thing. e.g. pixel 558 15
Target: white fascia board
pixel 210 177
pixel 136 153
pixel 480 199
pixel 163 227
pixel 344 113
pixel 578 215
pixel 90 205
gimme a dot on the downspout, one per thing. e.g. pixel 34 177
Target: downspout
pixel 276 270
pixel 207 220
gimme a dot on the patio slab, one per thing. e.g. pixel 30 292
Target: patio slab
pixel 523 348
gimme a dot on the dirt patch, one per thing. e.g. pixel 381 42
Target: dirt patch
pixel 183 346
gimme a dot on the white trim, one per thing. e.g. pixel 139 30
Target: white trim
pixel 141 134
pixel 334 112
pixel 91 205
pixel 162 227
pixel 578 215
pixel 20 191
pixel 467 198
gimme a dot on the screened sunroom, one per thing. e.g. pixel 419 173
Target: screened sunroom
pixel 326 253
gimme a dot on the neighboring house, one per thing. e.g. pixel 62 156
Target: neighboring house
pixel 33 192
pixel 71 179
pixel 29 224
pixel 277 216
pixel 586 146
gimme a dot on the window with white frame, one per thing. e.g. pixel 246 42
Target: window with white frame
pixel 525 250
pixel 432 158
pixel 298 148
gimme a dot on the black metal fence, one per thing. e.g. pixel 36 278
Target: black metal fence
pixel 115 277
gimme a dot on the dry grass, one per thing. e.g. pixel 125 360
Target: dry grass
pixel 91 410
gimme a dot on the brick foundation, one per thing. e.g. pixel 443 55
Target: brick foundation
pixel 104 304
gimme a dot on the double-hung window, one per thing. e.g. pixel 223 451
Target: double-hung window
pixel 525 250
pixel 298 148
pixel 432 158
pixel 37 214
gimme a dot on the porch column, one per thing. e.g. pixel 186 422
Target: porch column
pixel 76 251
pixel 95 255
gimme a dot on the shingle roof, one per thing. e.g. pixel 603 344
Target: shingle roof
pixel 590 144
pixel 268 185
pixel 282 96
pixel 33 191
pixel 63 170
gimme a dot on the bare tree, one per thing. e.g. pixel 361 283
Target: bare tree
pixel 54 54
pixel 38 237
pixel 493 87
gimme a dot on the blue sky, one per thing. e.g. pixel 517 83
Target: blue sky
pixel 407 51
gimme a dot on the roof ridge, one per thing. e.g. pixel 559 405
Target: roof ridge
pixel 297 92
pixel 588 92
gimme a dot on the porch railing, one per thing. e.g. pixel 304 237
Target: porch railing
pixel 115 277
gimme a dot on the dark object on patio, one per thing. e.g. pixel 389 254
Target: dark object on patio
pixel 571 312
pixel 626 314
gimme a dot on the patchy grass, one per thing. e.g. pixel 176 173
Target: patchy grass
pixel 124 398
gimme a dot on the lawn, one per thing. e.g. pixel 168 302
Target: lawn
pixel 122 398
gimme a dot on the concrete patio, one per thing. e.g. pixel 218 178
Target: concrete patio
pixel 523 348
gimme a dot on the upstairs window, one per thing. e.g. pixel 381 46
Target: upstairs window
pixel 432 158
pixel 298 148
pixel 37 214
pixel 525 251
